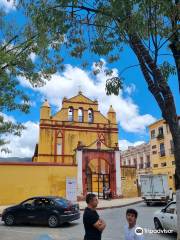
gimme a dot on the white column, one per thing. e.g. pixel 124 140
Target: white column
pixel 118 173
pixel 79 173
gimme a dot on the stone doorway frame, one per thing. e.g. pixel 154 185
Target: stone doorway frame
pixel 112 157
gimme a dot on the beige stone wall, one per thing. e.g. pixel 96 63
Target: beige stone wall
pixel 129 182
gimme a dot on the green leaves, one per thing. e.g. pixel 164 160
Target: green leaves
pixel 167 69
pixel 9 127
pixel 113 85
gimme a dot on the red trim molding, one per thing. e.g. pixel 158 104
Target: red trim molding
pixel 67 101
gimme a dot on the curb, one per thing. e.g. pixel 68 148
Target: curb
pixel 118 206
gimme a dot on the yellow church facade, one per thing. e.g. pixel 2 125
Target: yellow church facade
pixel 79 128
pixel 78 122
pixel 78 142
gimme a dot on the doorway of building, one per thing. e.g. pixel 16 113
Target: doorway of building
pixel 96 182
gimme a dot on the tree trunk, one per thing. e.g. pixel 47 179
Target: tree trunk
pixel 175 130
pixel 163 95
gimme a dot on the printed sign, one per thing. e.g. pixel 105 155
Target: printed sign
pixel 71 189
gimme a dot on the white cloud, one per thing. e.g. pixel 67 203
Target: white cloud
pixel 130 89
pixel 7 5
pixel 23 146
pixel 68 83
pixel 33 56
pixel 124 144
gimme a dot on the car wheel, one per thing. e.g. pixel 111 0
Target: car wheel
pixel 53 221
pixel 9 220
pixel 157 224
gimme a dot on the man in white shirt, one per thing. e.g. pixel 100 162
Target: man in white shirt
pixel 132 232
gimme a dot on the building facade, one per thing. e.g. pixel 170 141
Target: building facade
pixel 79 134
pixel 139 157
pixel 77 144
pixel 162 151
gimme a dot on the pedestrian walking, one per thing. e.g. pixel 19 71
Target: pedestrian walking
pixel 132 231
pixel 93 224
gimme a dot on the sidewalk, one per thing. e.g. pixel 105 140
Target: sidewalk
pixel 114 203
pixel 103 204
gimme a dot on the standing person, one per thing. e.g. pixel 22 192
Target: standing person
pixel 93 225
pixel 130 228
pixel 105 192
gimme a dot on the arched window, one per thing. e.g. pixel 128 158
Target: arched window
pixel 70 114
pixel 59 143
pixel 80 115
pixel 90 116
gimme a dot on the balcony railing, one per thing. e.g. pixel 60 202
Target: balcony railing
pixel 147 165
pixel 160 136
pixel 162 153
pixel 141 166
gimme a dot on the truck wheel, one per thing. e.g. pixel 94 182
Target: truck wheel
pixel 157 224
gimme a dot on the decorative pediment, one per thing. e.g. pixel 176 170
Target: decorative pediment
pixel 80 98
pixel 98 144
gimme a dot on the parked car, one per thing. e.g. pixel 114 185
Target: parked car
pixel 166 218
pixel 51 211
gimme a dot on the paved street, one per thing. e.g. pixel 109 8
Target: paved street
pixel 115 219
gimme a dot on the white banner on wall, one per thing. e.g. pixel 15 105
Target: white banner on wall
pixel 71 189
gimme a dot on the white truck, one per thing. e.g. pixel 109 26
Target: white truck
pixel 154 188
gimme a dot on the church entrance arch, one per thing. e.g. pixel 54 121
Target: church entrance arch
pixel 98 171
pixel 98 176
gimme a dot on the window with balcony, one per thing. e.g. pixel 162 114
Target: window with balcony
pixel 141 165
pixel 163 164
pixel 160 133
pixel 162 150
pixel 148 164
pixel 153 134
pixel 80 115
pixel 70 114
pixel 135 162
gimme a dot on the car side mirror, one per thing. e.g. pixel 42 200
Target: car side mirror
pixel 163 210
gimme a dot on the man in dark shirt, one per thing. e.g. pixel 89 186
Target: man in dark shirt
pixel 93 225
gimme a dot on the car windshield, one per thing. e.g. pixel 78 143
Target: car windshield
pixel 62 201
pixel 171 208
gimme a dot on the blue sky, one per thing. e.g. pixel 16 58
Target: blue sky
pixel 135 106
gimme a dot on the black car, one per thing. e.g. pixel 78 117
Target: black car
pixel 51 211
